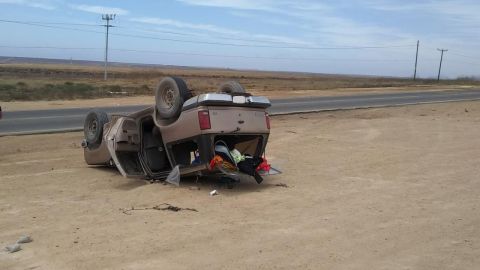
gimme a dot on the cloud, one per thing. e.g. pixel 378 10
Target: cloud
pixel 186 25
pixel 316 23
pixel 266 5
pixel 47 5
pixel 275 6
pixel 100 9
pixel 213 29
pixel 460 11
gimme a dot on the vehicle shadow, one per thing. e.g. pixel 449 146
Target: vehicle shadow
pixel 222 185
pixel 126 183
pixel 131 183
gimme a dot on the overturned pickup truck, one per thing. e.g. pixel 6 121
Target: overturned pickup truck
pixel 222 133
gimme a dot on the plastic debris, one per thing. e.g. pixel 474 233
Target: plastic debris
pixel 264 166
pixel 213 192
pixel 13 248
pixel 221 149
pixel 24 239
pixel 174 176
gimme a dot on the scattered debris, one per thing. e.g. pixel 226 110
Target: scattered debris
pixel 174 176
pixel 24 239
pixel 13 248
pixel 16 247
pixel 157 181
pixel 167 207
pixel 213 192
pixel 291 131
pixel 282 185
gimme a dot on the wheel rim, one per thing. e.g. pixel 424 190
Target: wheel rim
pixel 92 129
pixel 168 97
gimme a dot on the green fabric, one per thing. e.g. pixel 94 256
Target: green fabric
pixel 237 156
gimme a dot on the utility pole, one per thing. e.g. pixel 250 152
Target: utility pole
pixel 108 18
pixel 416 61
pixel 441 59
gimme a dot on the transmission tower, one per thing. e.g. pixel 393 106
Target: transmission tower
pixel 108 18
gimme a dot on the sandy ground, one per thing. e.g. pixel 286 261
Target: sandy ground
pixel 393 188
pixel 141 100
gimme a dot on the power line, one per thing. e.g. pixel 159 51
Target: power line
pixel 52 27
pixel 265 46
pixel 49 47
pixel 152 30
pixel 57 23
pixel 215 43
pixel 205 54
pixel 39 23
pixel 466 56
pixel 216 36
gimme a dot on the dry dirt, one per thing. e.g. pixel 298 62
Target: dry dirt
pixel 392 188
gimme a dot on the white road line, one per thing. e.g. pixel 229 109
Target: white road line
pixel 42 117
pixel 293 111
pixel 373 106
pixel 41 131
pixel 355 99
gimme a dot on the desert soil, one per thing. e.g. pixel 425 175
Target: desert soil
pixel 148 100
pixel 392 188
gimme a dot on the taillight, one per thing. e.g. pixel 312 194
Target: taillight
pixel 267 118
pixel 204 120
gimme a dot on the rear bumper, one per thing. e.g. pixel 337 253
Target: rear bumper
pixel 206 151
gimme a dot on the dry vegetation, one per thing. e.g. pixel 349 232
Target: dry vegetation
pixel 54 82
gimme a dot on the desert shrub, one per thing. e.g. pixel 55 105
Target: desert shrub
pixel 21 91
pixel 466 78
pixel 7 91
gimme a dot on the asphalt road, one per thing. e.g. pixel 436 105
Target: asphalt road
pixel 60 120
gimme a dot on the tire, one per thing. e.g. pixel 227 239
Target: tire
pixel 93 127
pixel 231 87
pixel 170 94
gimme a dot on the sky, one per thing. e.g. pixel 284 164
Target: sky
pixel 368 37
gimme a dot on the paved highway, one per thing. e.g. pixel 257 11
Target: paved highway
pixel 60 120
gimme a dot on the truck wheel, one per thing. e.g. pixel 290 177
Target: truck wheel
pixel 170 94
pixel 93 127
pixel 231 87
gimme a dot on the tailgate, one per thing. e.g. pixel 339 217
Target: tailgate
pixel 238 120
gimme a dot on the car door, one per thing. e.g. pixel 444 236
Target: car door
pixel 123 143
